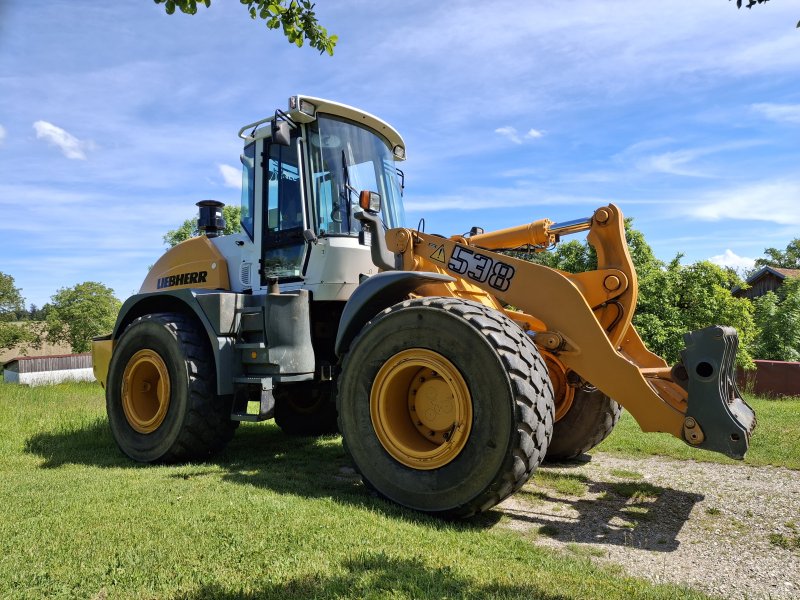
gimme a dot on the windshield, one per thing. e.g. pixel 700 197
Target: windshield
pixel 346 159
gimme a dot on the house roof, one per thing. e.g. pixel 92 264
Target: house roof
pixel 24 358
pixel 779 272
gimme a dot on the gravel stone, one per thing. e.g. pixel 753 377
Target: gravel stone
pixel 704 525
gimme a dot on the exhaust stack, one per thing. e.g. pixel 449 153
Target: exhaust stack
pixel 210 220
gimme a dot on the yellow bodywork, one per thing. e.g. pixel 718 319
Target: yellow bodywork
pixel 581 322
pixel 101 357
pixel 195 263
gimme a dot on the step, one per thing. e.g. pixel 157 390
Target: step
pixel 243 388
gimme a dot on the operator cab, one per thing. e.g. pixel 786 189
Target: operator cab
pixel 302 171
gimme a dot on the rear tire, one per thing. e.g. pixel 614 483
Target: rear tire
pixel 484 374
pixel 306 408
pixel 589 420
pixel 161 394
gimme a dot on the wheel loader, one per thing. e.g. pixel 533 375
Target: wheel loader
pixel 450 368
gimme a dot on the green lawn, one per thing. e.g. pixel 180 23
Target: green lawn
pixel 272 517
pixel 776 440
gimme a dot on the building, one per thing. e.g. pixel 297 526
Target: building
pixel 766 279
pixel 42 370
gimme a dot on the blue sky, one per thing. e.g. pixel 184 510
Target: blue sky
pixel 116 118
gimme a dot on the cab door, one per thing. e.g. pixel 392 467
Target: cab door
pixel 284 217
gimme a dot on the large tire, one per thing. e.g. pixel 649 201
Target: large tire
pixel 483 373
pixel 306 408
pixel 161 394
pixel 589 420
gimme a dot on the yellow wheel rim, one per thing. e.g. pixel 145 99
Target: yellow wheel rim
pixel 145 391
pixel 563 392
pixel 421 409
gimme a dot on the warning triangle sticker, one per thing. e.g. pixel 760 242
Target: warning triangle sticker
pixel 438 254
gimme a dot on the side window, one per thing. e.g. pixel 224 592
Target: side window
pixel 248 159
pixel 284 244
pixel 284 203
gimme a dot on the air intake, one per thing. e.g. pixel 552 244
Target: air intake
pixel 210 221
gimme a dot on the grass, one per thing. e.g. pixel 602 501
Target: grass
pixel 569 484
pixel 271 517
pixel 787 542
pixel 637 491
pixel 626 474
pixel 775 441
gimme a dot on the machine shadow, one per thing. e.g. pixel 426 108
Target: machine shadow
pixel 376 575
pixel 631 513
pixel 90 445
pixel 261 456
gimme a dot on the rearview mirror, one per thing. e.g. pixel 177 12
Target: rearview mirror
pixel 281 133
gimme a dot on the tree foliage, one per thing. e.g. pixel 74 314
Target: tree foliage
pixel 675 299
pixel 79 313
pixel 785 259
pixel 295 17
pixel 12 303
pixel 752 3
pixel 188 229
pixel 777 318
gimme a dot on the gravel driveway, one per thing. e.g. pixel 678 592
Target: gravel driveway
pixel 731 530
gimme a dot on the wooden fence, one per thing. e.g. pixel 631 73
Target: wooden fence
pixel 771 378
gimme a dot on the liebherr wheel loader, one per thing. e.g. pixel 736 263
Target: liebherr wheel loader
pixel 451 369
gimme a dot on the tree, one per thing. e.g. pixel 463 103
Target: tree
pixel 785 259
pixel 295 17
pixel 188 228
pixel 11 302
pixel 79 313
pixel 752 3
pixel 777 317
pixel 676 299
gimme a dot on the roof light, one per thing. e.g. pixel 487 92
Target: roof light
pixel 399 152
pixel 307 108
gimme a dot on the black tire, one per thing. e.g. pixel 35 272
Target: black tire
pixel 197 422
pixel 589 421
pixel 306 408
pixel 510 393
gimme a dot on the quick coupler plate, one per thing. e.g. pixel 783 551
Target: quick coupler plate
pixel 717 418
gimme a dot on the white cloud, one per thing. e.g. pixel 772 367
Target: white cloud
pixel 773 201
pixel 231 176
pixel 512 134
pixel 509 133
pixel 783 113
pixel 484 197
pixel 2 134
pixel 678 162
pixel 70 146
pixel 730 259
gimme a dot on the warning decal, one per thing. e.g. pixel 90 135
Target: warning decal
pixel 438 254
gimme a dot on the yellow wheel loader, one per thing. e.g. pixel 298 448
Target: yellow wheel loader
pixel 450 368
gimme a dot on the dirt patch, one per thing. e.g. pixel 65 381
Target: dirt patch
pixel 732 530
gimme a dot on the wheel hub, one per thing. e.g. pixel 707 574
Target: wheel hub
pixel 145 391
pixel 421 409
pixel 563 392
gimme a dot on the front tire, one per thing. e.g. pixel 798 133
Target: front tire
pixel 161 394
pixel 589 420
pixel 445 406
